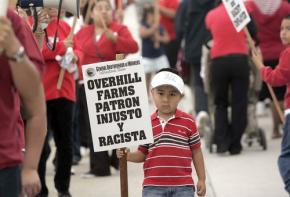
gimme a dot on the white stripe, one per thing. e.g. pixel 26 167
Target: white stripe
pixel 168 185
pixel 156 126
pixel 180 126
pixel 168 156
pixel 172 142
pixel 168 167
pixel 167 145
pixel 173 137
pixel 189 119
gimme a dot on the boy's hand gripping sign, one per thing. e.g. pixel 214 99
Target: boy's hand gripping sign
pixel 238 13
pixel 117 104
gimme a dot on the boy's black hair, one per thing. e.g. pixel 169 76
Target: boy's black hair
pixel 169 70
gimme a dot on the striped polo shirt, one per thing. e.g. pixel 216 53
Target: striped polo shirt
pixel 169 158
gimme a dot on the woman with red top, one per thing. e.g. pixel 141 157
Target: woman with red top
pixel 60 103
pixel 99 42
pixel 268 15
pixel 230 76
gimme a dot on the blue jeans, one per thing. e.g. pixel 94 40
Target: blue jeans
pixel 163 191
pixel 284 158
pixel 10 182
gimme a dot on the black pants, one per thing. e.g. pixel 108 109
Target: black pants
pixel 10 181
pixel 230 78
pixel 99 161
pixel 171 51
pixel 59 117
pixel 200 97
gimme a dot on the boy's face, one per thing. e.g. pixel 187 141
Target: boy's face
pixel 285 31
pixel 166 99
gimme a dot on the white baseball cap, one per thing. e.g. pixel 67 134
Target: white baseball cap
pixel 168 78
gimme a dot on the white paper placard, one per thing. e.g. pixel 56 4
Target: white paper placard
pixel 3 7
pixel 117 104
pixel 238 13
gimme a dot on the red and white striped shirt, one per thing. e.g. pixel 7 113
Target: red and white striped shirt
pixel 168 159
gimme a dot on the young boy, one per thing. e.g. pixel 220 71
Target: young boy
pixel 167 162
pixel 277 77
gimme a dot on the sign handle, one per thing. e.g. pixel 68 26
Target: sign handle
pixel 123 160
pixel 60 79
pixel 275 100
pixel 124 174
pixel 62 71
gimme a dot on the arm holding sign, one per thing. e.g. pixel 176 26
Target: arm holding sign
pixel 19 59
pixel 136 157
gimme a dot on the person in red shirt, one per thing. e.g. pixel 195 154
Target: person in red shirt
pixel 277 77
pixel 167 161
pixel 99 42
pixel 168 10
pixel 60 102
pixel 230 73
pixel 21 64
pixel 268 15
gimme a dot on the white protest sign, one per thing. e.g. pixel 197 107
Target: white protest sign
pixel 238 13
pixel 117 104
pixel 3 7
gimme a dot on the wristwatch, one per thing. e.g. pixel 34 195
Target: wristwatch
pixel 18 56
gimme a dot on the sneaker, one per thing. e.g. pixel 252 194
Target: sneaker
pixel 260 109
pixel 88 175
pixel 72 171
pixel 202 122
pixel 76 160
pixel 64 194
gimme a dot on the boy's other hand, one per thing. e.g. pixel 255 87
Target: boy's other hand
pixel 30 182
pixel 201 188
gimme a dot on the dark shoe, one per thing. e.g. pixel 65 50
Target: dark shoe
pixel 41 195
pixel 76 160
pixel 64 194
pixel 235 150
pixel 88 175
pixel 222 149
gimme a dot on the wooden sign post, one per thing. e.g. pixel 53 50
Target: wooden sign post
pixel 123 160
pixel 62 70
